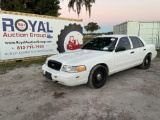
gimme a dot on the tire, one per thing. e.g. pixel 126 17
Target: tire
pixel 98 76
pixel 146 62
pixel 64 33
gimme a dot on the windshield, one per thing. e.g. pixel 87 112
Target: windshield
pixel 100 43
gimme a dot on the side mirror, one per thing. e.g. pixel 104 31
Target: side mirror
pixel 120 48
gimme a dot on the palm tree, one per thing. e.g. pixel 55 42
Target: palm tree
pixel 79 4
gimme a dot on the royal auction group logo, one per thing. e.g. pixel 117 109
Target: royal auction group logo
pixel 26 28
pixel 21 25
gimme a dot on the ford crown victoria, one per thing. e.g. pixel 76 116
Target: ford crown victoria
pixel 99 58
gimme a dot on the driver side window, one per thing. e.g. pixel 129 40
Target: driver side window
pixel 124 42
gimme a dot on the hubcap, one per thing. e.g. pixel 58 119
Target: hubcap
pixel 99 77
pixel 147 61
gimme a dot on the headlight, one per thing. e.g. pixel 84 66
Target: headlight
pixel 73 69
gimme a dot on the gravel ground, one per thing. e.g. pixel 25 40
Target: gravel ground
pixel 133 94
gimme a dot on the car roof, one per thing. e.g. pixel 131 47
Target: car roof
pixel 117 36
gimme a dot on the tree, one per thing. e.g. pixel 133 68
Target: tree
pixel 86 28
pixel 79 4
pixel 42 7
pixel 91 27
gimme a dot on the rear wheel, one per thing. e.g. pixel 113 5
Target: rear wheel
pixel 98 76
pixel 146 62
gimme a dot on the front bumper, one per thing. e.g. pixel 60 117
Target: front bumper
pixel 65 78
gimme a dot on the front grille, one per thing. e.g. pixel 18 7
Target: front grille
pixel 54 65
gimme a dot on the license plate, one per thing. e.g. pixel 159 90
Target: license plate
pixel 48 75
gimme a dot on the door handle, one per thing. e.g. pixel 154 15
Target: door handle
pixel 144 49
pixel 132 52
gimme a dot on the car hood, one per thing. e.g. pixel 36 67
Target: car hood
pixel 77 57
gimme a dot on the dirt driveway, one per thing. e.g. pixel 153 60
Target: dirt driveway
pixel 133 94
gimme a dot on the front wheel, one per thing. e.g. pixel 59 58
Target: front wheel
pixel 98 76
pixel 146 62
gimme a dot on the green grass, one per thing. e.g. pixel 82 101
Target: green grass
pixel 5 67
pixel 87 38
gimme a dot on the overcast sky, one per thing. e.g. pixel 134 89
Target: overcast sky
pixel 108 13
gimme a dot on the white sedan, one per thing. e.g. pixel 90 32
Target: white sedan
pixel 99 58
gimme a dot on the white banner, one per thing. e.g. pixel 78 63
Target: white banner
pixel 26 36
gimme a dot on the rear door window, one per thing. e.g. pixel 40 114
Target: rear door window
pixel 136 42
pixel 140 42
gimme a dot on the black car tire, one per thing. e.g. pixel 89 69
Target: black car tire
pixel 146 62
pixel 98 76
